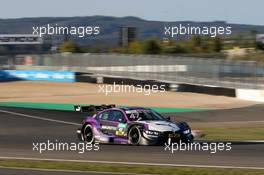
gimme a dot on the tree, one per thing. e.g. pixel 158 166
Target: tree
pixel 68 46
pixel 259 46
pixel 217 44
pixel 195 44
pixel 176 48
pixel 152 46
pixel 196 41
pixel 135 47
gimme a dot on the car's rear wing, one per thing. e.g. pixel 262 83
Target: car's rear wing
pixel 92 108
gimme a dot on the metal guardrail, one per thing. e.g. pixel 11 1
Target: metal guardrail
pixel 213 72
pixel 4 62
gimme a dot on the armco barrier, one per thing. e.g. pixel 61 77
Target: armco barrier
pixel 179 87
pixel 37 75
pixel 211 90
pixel 85 77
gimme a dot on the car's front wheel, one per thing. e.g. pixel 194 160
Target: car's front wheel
pixel 188 139
pixel 134 135
pixel 88 134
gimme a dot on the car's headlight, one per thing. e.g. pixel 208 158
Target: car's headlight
pixel 152 132
pixel 186 131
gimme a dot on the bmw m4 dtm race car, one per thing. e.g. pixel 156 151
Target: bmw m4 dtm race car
pixel 130 125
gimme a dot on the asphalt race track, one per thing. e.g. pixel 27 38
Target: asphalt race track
pixel 20 127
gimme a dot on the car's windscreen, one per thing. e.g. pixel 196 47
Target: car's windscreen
pixel 142 115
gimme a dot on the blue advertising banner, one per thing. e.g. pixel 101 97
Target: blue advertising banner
pixel 37 75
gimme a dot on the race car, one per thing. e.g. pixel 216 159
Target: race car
pixel 130 125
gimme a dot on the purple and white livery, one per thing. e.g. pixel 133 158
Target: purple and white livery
pixel 131 125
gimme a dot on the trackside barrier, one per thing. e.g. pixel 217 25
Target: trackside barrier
pixel 169 68
pixel 37 75
pixel 244 94
pixel 178 87
pixel 250 94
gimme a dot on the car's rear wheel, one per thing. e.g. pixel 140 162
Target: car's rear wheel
pixel 134 135
pixel 88 134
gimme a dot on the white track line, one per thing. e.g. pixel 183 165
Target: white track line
pixel 136 163
pixel 39 118
pixel 67 171
pixel 237 122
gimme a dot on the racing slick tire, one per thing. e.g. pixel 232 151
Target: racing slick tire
pixel 88 134
pixel 188 139
pixel 134 135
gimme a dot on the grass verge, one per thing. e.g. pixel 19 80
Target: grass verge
pixel 233 133
pixel 140 169
pixel 70 107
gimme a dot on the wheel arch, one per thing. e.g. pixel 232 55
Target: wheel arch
pixel 85 124
pixel 141 126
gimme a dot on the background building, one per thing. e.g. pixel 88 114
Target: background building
pixel 127 35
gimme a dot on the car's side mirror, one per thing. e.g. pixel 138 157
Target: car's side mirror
pixel 168 118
